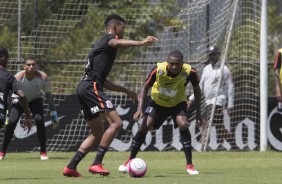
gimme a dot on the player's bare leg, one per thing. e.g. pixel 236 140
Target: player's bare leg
pixel 185 139
pixel 115 125
pixel 85 147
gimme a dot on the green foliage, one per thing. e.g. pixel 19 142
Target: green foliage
pixel 245 44
pixel 8 38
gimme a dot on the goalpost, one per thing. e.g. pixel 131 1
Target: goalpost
pixel 191 26
pixel 263 79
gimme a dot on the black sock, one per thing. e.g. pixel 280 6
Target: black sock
pixel 100 155
pixel 137 143
pixel 185 139
pixel 41 134
pixel 75 160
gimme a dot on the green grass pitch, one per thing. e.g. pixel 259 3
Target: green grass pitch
pixel 163 168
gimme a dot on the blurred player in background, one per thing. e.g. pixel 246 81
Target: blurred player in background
pixel 208 84
pixel 96 106
pixel 278 79
pixel 168 81
pixel 32 82
pixel 9 83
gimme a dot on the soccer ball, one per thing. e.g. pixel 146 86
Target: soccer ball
pixel 136 168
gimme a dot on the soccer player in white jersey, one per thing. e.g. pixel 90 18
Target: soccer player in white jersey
pixel 208 85
pixel 32 83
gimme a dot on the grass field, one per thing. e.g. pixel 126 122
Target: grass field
pixel 163 168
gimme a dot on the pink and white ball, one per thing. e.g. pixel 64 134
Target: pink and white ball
pixel 136 168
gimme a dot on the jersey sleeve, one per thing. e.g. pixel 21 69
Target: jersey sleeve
pixel 193 77
pixel 46 85
pixel 277 61
pixel 151 79
pixel 15 84
pixel 110 37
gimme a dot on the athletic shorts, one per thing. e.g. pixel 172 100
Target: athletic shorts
pixel 160 113
pixel 92 99
pixel 36 107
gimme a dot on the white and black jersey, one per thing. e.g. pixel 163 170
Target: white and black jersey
pixel 7 83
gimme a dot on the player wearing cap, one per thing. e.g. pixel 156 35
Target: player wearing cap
pixel 208 85
pixel 278 78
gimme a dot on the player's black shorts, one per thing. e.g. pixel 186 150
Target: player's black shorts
pixel 160 113
pixel 35 106
pixel 92 99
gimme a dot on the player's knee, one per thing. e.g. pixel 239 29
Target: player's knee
pixel 118 125
pixel 182 125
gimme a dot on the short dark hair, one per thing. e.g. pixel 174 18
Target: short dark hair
pixel 177 54
pixel 4 55
pixel 113 17
pixel 3 52
pixel 29 57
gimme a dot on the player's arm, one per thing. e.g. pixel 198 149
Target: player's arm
pixel 50 100
pixel 277 85
pixel 143 93
pixel 129 43
pixel 24 103
pixel 201 84
pixel 47 90
pixel 194 78
pixel 113 87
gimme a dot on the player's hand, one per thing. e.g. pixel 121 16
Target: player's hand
pixel 150 39
pixel 138 115
pixel 189 104
pixel 27 125
pixel 55 119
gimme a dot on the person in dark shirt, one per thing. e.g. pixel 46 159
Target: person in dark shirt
pixel 95 105
pixel 168 81
pixel 33 83
pixel 278 79
pixel 9 83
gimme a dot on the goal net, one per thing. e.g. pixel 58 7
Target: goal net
pixel 189 26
